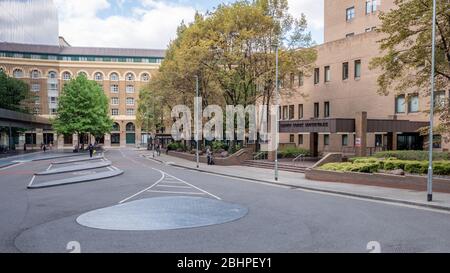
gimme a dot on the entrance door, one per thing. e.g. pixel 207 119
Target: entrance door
pixel 410 142
pixel 314 144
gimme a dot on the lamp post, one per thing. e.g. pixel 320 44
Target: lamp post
pixel 197 154
pixel 277 107
pixel 430 156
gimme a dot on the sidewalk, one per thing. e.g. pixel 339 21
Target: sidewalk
pixel 408 197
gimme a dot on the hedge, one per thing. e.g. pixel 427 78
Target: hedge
pixel 412 155
pixel 291 152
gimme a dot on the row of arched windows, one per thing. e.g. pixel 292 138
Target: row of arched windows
pixel 130 127
pixel 66 75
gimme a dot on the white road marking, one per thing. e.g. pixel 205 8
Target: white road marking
pixel 11 166
pixel 49 167
pixel 169 186
pixel 178 192
pixel 144 190
pixel 32 180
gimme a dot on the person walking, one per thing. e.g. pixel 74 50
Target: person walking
pixel 209 156
pixel 91 150
pixel 44 148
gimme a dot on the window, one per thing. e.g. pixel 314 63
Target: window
pixel 348 35
pixel 327 74
pixel 413 103
pixel 98 76
pixel 52 75
pixel 115 112
pixel 291 111
pixel 350 13
pixel 327 109
pixel 439 99
pixel 67 76
pixel 400 104
pixel 326 140
pixel 130 77
pixel 37 100
pixel 368 29
pixel 371 6
pixel 316 75
pixel 300 79
pixel 115 101
pixel 300 111
pixel 145 77
pixel 345 71
pixel 53 111
pixel 437 142
pixel 300 139
pixel 130 101
pixel 291 80
pixel 53 100
pixel 35 74
pixel 285 112
pixel 291 138
pixel 82 74
pixel 130 89
pixel 114 77
pixel 130 112
pixel 35 87
pixel 18 73
pixel 357 69
pixel 316 110
pixel 344 140
pixel 114 88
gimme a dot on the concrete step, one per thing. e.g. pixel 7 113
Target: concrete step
pixel 271 165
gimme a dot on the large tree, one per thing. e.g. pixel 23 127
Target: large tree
pixel 83 108
pixel 406 43
pixel 14 94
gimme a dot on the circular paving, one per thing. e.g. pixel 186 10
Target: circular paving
pixel 163 213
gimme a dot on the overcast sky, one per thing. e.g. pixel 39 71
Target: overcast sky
pixel 148 23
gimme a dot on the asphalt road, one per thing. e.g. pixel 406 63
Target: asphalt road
pixel 279 219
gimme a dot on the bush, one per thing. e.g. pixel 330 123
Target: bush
pixel 412 155
pixel 352 167
pixel 177 146
pixel 292 152
pixel 219 146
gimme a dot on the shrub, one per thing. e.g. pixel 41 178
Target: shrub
pixel 176 146
pixel 219 146
pixel 412 155
pixel 291 152
pixel 441 168
pixel 351 167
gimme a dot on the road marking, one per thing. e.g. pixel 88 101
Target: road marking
pixel 178 192
pixel 49 167
pixel 32 180
pixel 169 186
pixel 144 190
pixel 176 178
pixel 11 166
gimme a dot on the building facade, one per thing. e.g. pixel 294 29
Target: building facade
pixel 120 72
pixel 337 108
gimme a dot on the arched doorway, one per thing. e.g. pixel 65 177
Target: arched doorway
pixel 115 134
pixel 131 133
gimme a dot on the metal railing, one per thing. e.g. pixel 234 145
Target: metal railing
pixel 299 158
pixel 260 156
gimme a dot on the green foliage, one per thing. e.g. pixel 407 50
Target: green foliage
pixel 292 152
pixel 177 146
pixel 219 145
pixel 83 108
pixel 412 155
pixel 351 167
pixel 14 94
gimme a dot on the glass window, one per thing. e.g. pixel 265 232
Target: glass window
pixel 327 109
pixel 327 74
pixel 316 75
pixel 291 80
pixel 35 87
pixel 437 142
pixel 316 110
pixel 300 111
pixel 292 138
pixel 300 79
pixel 369 7
pixel 439 99
pixel 350 13
pixel 98 76
pixel 130 77
pixel 300 139
pixel 114 77
pixel 357 68
pixel 130 89
pixel 18 73
pixel 291 111
pixel 114 88
pixel 35 74
pixel 326 140
pixel 413 103
pixel 400 104
pixel 67 76
pixel 130 101
pixel 130 112
pixel 345 71
pixel 285 112
pixel 145 77
pixel 115 101
pixel 115 112
pixel 344 140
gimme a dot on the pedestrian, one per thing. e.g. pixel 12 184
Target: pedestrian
pixel 209 156
pixel 44 148
pixel 158 149
pixel 91 150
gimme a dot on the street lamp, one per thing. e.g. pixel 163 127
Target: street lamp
pixel 196 130
pixel 277 107
pixel 430 157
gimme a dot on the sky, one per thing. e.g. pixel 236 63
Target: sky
pixel 149 23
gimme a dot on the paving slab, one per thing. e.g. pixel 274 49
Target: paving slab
pixel 77 179
pixel 78 160
pixel 74 168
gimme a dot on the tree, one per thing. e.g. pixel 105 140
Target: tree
pixel 14 94
pixel 150 109
pixel 406 43
pixel 83 108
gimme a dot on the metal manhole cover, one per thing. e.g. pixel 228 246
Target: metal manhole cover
pixel 163 213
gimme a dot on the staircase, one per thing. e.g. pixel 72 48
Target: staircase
pixel 271 165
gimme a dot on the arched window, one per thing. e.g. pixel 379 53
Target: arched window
pixel 116 127
pixel 81 73
pixel 67 76
pixel 35 74
pixel 52 75
pixel 145 77
pixel 130 127
pixel 130 77
pixel 2 70
pixel 114 77
pixel 18 73
pixel 98 76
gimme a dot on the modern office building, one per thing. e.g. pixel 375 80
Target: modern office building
pixel 339 109
pixel 37 55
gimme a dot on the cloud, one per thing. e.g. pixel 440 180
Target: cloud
pixel 313 9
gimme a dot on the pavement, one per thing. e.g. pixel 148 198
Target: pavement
pixel 408 197
pixel 279 218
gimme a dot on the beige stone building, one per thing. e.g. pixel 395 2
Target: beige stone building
pixel 337 108
pixel 121 73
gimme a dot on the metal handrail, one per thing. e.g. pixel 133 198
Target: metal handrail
pixel 301 156
pixel 259 155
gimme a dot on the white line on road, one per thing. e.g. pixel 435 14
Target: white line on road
pixel 177 192
pixel 170 186
pixel 144 190
pixel 32 180
pixel 49 167
pixel 11 166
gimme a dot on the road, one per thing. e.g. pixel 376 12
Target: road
pixel 279 219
